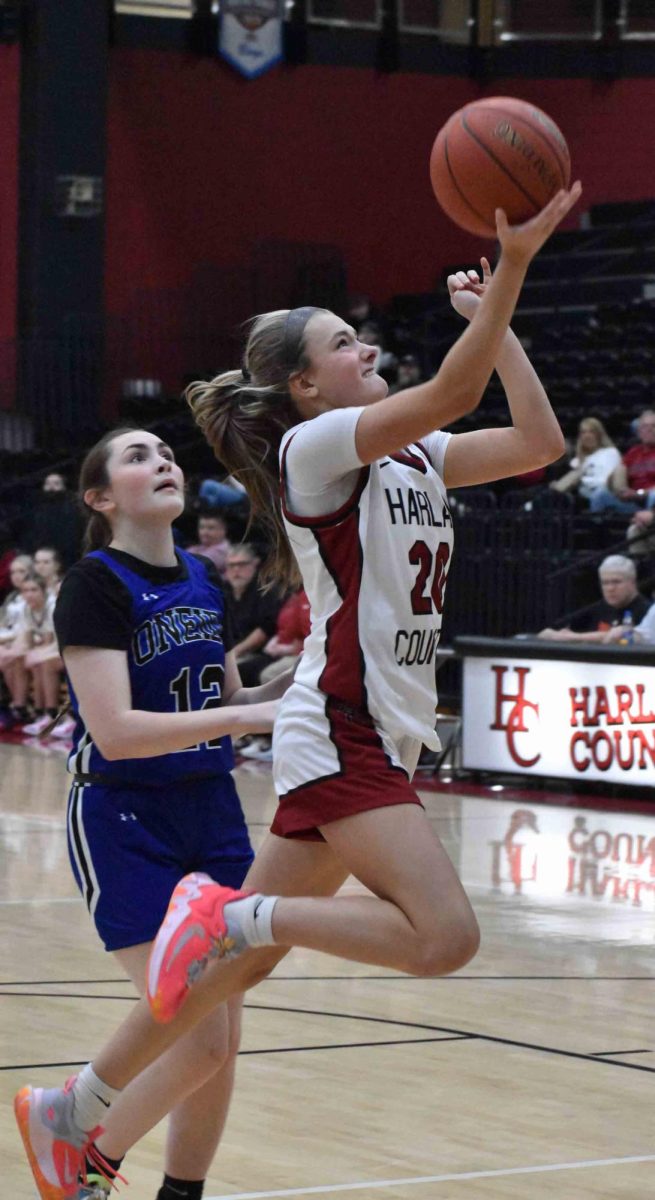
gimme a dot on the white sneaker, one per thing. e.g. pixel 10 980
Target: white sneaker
pixel 260 750
pixel 37 727
pixel 64 728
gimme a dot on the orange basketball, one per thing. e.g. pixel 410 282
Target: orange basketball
pixel 497 153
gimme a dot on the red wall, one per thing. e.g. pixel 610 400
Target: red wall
pixel 9 85
pixel 202 164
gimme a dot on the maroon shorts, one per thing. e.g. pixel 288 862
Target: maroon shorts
pixel 366 778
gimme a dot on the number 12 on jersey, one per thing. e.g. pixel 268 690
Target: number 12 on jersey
pixel 211 681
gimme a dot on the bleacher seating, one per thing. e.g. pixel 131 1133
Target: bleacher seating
pixel 587 318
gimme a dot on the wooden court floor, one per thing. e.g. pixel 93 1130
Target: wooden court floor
pixel 529 1075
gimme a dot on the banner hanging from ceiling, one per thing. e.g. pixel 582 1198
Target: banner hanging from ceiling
pixel 250 34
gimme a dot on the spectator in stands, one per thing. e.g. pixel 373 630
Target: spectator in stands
pixel 252 612
pixel 212 540
pixel 360 311
pixel 370 334
pixel 618 585
pixel 7 556
pixel 13 605
pixel 32 658
pixel 223 493
pixel 639 634
pixel 641 533
pixel 284 649
pixel 42 659
pixel 49 567
pixel 11 613
pixel 632 484
pixel 596 458
pixel 408 374
pixel 54 521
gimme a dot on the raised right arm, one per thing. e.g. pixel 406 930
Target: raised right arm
pixel 457 388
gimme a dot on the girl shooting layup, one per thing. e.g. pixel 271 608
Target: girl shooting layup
pixel 349 730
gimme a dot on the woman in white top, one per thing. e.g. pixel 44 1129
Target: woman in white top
pixel 308 395
pixel 13 604
pixel 12 669
pixel 48 564
pixel 33 654
pixel 595 459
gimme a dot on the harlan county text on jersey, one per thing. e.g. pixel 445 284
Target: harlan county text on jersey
pixel 413 506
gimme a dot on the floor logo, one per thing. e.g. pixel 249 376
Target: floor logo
pixel 515 857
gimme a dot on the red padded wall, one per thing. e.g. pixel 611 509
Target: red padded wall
pixel 202 164
pixel 9 84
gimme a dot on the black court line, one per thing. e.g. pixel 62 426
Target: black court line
pixel 460 978
pixel 361 1045
pixel 481 1037
pixel 458 1034
pixel 310 1012
pixel 341 1016
pixel 44 1066
pixel 69 996
pixel 55 982
pixel 616 1053
pixel 275 1050
pixel 398 978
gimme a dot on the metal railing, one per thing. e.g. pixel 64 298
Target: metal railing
pixel 456 21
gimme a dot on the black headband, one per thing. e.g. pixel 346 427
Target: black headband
pixel 294 327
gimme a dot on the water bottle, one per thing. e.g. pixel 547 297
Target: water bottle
pixel 629 629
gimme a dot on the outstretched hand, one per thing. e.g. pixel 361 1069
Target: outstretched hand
pixel 520 243
pixel 466 289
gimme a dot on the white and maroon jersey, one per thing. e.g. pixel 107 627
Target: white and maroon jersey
pixel 374 545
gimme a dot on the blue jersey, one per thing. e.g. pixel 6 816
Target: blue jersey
pixel 176 663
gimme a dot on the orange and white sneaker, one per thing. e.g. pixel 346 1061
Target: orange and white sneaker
pixel 193 933
pixel 55 1145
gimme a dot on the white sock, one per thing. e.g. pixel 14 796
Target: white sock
pixel 250 921
pixel 91 1098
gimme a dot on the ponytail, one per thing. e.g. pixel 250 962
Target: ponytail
pixel 97 533
pixel 244 415
pixel 94 476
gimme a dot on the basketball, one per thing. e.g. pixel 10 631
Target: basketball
pixel 497 153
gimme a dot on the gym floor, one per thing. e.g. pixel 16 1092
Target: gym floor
pixel 528 1074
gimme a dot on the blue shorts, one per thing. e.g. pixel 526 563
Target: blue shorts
pixel 129 848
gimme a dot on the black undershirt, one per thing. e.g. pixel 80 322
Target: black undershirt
pixel 94 608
